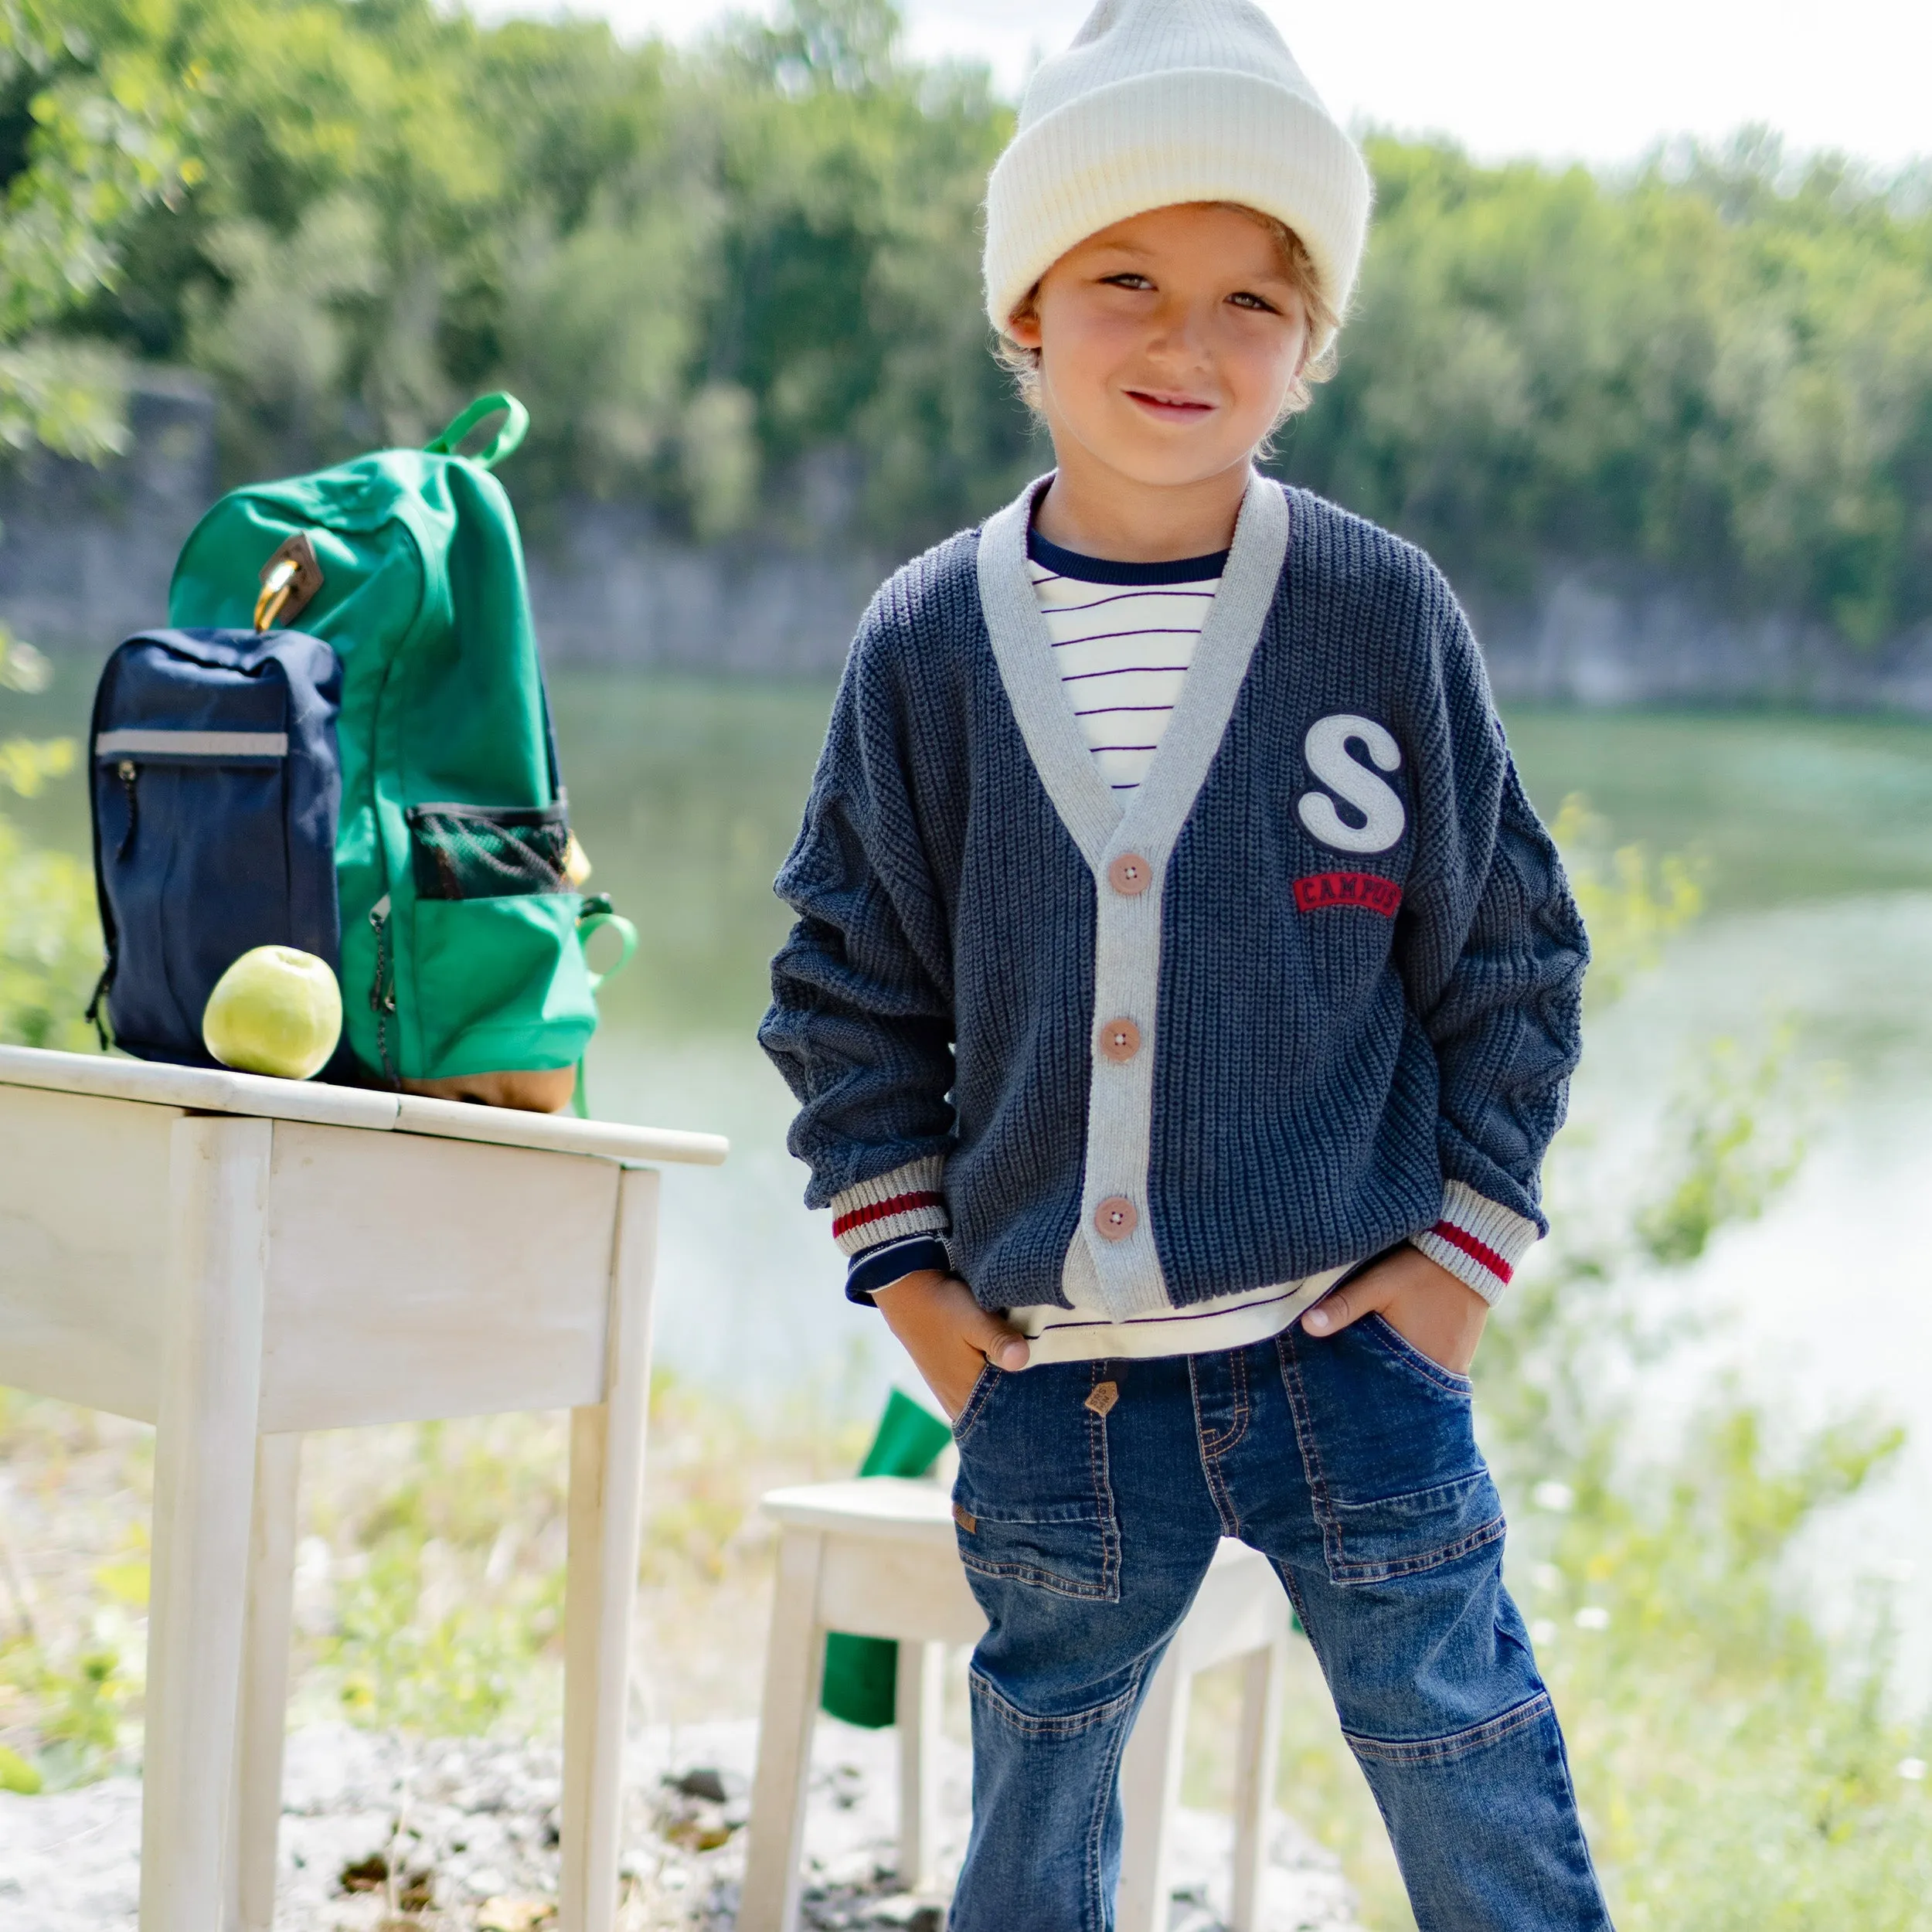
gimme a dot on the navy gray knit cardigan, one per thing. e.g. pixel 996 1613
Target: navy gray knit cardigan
pixel 1342 943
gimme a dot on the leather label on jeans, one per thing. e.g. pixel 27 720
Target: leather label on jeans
pixel 1104 1396
pixel 968 1523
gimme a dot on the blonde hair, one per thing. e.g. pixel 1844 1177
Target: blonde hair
pixel 1024 364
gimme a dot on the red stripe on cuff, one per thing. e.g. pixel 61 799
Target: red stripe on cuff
pixel 1476 1250
pixel 884 1210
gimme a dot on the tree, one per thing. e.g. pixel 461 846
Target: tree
pixel 93 125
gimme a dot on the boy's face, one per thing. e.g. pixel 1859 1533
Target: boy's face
pixel 1168 344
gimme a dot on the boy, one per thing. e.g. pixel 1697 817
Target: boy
pixel 1182 997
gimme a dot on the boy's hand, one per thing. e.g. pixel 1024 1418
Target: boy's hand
pixel 949 1337
pixel 1425 1304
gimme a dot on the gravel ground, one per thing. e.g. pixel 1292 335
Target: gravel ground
pixel 380 1834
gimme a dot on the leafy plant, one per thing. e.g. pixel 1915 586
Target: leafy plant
pixel 94 118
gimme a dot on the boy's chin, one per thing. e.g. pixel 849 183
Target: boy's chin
pixel 1174 466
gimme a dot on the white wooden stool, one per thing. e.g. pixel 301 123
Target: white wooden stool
pixel 240 1260
pixel 876 1556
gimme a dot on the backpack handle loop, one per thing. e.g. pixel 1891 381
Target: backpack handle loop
pixel 597 915
pixel 515 426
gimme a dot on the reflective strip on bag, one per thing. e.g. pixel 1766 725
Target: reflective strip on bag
pixel 192 744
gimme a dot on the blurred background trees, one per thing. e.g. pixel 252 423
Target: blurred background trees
pixel 739 285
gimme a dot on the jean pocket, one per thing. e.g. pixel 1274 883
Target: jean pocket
pixel 1387 1438
pixel 1032 1503
pixel 1399 1346
pixel 984 1384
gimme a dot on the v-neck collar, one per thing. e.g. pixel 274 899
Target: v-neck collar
pixel 1151 819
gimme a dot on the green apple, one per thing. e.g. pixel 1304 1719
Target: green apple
pixel 276 1011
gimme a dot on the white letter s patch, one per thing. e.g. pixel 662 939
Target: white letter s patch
pixel 1327 751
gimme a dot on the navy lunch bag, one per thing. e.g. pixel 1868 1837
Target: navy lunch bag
pixel 216 789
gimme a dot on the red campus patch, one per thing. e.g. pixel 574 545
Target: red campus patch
pixel 1365 889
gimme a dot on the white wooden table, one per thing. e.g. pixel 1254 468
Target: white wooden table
pixel 240 1260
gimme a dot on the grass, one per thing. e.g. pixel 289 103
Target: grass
pixel 429 1576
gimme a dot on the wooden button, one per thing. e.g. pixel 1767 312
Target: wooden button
pixel 1130 874
pixel 1119 1040
pixel 1116 1217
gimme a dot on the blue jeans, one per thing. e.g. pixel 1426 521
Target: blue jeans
pixel 1086 1518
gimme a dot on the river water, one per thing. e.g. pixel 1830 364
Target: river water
pixel 1813 839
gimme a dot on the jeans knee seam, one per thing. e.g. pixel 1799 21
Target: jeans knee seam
pixel 1072 1725
pixel 1093 1905
pixel 1452 1744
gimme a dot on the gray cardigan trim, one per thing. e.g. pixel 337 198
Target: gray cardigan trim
pixel 1124 1276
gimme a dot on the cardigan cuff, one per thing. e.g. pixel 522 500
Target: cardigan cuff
pixel 909 1200
pixel 1479 1241
pixel 880 1267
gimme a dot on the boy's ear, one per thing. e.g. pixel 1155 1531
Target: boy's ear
pixel 1024 328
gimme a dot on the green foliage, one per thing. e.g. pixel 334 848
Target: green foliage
pixel 17 1775
pixel 1737 1150
pixel 50 932
pixel 50 944
pixel 93 116
pixel 1630 904
pixel 739 286
pixel 1738 1773
pixel 79 1706
pixel 437 1626
pixel 1722 366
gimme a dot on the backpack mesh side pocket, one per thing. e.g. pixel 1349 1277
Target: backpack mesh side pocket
pixel 488 852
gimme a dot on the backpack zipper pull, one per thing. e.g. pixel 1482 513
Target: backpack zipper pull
pixel 381 994
pixel 128 771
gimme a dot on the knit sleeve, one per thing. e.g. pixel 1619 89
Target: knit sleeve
pixel 861 1020
pixel 1493 953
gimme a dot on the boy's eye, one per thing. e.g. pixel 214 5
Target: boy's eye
pixel 1127 278
pixel 1243 299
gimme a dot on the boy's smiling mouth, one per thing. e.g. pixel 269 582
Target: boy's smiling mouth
pixel 1169 405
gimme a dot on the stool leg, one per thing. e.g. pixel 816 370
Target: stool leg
pixel 257 1812
pixel 600 1579
pixel 204 1496
pixel 1260 1753
pixel 795 1674
pixel 917 1707
pixel 1150 1789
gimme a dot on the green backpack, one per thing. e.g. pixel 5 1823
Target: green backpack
pixel 462 932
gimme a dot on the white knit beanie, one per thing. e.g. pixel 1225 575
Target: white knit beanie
pixel 1162 101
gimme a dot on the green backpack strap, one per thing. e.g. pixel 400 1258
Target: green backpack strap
pixel 596 914
pixel 515 426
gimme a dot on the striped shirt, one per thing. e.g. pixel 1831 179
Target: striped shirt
pixel 1123 637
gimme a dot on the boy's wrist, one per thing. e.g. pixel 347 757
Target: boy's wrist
pixel 906 1285
pixel 875 1269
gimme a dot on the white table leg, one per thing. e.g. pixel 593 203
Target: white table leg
pixel 1150 1789
pixel 917 1707
pixel 600 1585
pixel 794 1675
pixel 256 1817
pixel 1260 1753
pixel 204 1493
